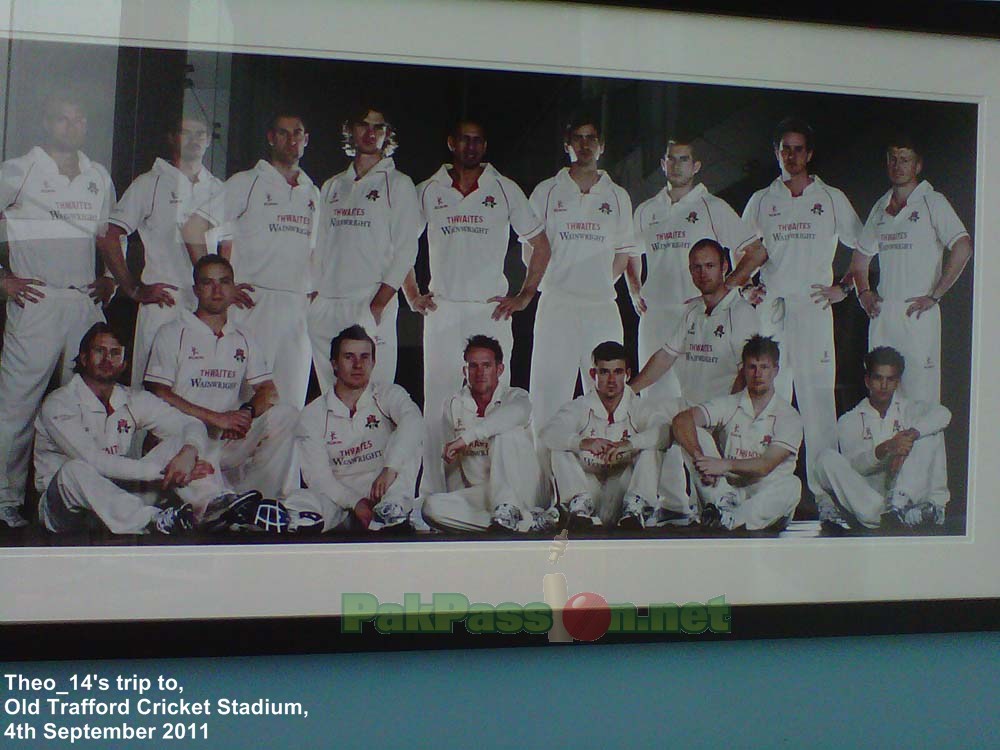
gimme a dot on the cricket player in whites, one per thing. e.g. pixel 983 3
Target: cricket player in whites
pixel 909 228
pixel 747 478
pixel 801 220
pixel 606 447
pixel 588 220
pixel 705 348
pixel 494 480
pixel 55 201
pixel 359 444
pixel 891 452
pixel 469 210
pixel 157 204
pixel 201 362
pixel 269 211
pixel 366 241
pixel 84 434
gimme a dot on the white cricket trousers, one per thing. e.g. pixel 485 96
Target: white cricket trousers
pixel 515 478
pixel 757 506
pixel 566 332
pixel 278 324
pixel 655 326
pixel 336 516
pixel 804 332
pixel 77 491
pixel 607 489
pixel 148 321
pixel 264 460
pixel 446 331
pixel 329 316
pixel 38 339
pixel 865 500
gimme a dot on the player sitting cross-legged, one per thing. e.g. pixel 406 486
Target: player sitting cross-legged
pixel 491 466
pixel 359 445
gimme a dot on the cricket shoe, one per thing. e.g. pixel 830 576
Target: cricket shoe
pixel 172 521
pixel 717 516
pixel 831 522
pixel 544 519
pixel 582 515
pixel 507 518
pixel 10 516
pixel 636 512
pixel 388 515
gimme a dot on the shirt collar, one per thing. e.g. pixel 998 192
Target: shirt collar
pixel 694 194
pixel 895 404
pixel 165 167
pixel 779 185
pixel 468 402
pixel 922 187
pixel 89 400
pixel 339 408
pixel 725 302
pixel 603 183
pixel 597 406
pixel 267 170
pixel 41 157
pixel 194 320
pixel 747 405
pixel 385 165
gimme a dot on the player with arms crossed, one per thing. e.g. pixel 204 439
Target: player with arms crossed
pixel 801 220
pixel 270 210
pixel 891 452
pixel 606 447
pixel 55 201
pixel 469 209
pixel 705 348
pixel 83 435
pixel 588 220
pixel 909 228
pixel 494 480
pixel 157 204
pixel 366 241
pixel 747 479
pixel 201 362
pixel 359 445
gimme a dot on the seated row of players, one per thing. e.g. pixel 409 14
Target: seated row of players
pixel 315 262
pixel 359 444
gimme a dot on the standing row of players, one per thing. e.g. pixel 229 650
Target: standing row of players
pixel 313 263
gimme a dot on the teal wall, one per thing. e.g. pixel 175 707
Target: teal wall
pixel 935 691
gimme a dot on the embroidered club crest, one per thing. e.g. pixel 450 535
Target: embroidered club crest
pixel 765 441
pixel 915 216
pixel 373 422
pixel 124 427
pixel 92 187
pixel 490 202
pixel 312 205
pixel 440 203
pixel 605 208
pixel 817 209
pixel 240 355
pixel 692 218
pixel 720 331
pixel 334 440
pixel 372 195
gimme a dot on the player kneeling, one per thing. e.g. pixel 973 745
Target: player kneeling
pixel 491 467
pixel 84 434
pixel 753 485
pixel 890 468
pixel 359 445
pixel 607 448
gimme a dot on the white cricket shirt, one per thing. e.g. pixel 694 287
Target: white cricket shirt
pixel 157 204
pixel 666 231
pixel 367 231
pixel 911 244
pixel 586 231
pixel 467 236
pixel 203 368
pixel 709 347
pixel 51 220
pixel 800 234
pixel 272 226
pixel 746 436
pixel 73 424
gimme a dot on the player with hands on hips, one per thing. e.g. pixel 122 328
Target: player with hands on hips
pixel 746 479
pixel 493 477
pixel 909 229
pixel 84 434
pixel 55 201
pixel 469 210
pixel 606 447
pixel 802 220
pixel 202 362
pixel 269 213
pixel 359 445
pixel 157 204
pixel 366 241
pixel 888 469
pixel 588 220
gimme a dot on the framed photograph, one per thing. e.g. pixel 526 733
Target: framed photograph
pixel 527 68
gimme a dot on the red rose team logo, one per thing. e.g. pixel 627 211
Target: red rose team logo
pixel 312 205
pixel 372 195
pixel 334 440
pixel 817 209
pixel 605 208
pixel 692 218
pixel 372 423
pixel 92 187
pixel 124 427
pixel 915 216
pixel 240 355
pixel 490 202
pixel 765 441
pixel 720 331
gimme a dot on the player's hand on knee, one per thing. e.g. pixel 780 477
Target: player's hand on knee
pixel 423 303
pixel 453 450
pixel 177 473
pixel 382 484
pixel 827 295
pixel 709 466
pixel 920 305
pixel 363 512
pixel 236 423
pixel 155 294
pixel 21 291
pixel 242 298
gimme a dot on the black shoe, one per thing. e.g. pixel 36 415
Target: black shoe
pixel 711 517
pixel 172 521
